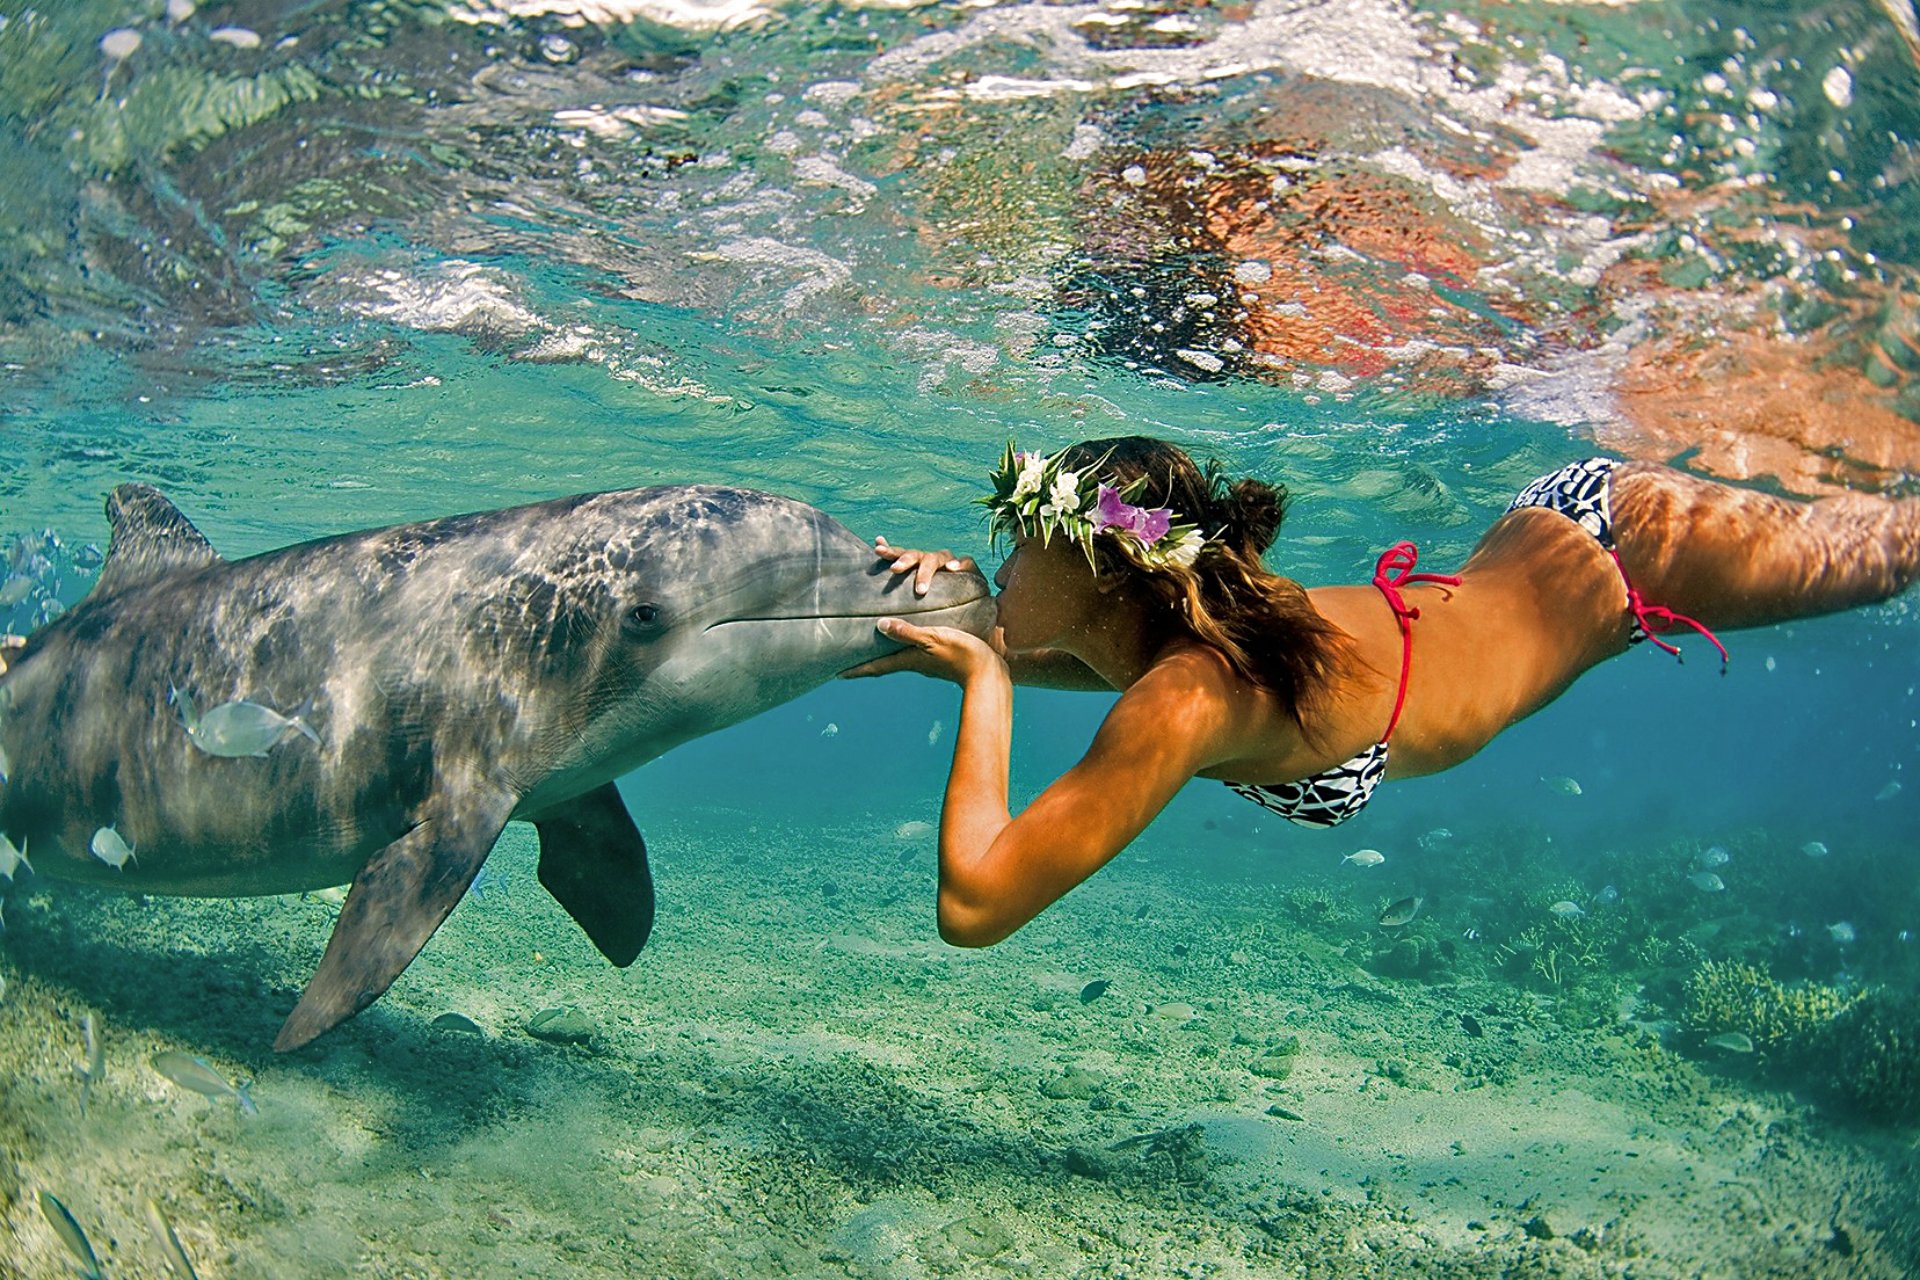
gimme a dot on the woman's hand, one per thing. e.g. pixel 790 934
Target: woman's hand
pixel 921 564
pixel 947 653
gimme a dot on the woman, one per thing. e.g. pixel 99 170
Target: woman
pixel 1133 569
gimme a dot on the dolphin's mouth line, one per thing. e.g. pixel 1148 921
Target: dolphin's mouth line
pixel 837 617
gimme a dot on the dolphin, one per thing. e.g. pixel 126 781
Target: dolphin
pixel 460 673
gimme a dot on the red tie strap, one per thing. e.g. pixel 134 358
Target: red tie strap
pixel 1391 572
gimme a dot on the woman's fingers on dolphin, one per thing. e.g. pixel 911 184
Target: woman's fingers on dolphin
pixel 921 564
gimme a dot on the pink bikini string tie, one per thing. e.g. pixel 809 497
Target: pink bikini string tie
pixel 1655 618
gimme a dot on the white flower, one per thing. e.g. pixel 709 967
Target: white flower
pixel 1064 500
pixel 1033 467
pixel 1184 552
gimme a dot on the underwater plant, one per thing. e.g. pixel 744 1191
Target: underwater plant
pixel 1873 1054
pixel 1785 1022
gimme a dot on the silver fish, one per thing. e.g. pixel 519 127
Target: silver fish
pixel 1814 849
pixel 192 1072
pixel 1732 1042
pixel 70 1234
pixel 96 1061
pixel 169 1243
pixel 1401 912
pixel 1564 785
pixel 14 590
pixel 1889 791
pixel 1365 858
pixel 1567 909
pixel 1841 933
pixel 1707 882
pixel 240 728
pixel 111 848
pixel 1715 856
pixel 11 859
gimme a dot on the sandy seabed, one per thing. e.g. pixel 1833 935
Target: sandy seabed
pixel 798 1078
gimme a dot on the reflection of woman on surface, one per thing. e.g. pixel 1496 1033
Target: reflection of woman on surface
pixel 1133 569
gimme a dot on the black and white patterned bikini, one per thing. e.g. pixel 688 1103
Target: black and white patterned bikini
pixel 1581 491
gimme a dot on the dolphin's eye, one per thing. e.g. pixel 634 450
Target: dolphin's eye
pixel 643 619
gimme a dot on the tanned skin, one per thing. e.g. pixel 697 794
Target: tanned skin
pixel 1539 602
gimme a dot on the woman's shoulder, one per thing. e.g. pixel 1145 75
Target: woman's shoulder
pixel 1192 689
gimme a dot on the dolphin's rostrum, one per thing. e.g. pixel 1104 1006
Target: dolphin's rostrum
pixel 462 672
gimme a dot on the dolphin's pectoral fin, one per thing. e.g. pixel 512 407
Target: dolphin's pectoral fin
pixel 397 901
pixel 594 863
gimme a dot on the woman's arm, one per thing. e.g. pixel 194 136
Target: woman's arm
pixel 999 870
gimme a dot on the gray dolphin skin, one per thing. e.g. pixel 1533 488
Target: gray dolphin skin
pixel 463 673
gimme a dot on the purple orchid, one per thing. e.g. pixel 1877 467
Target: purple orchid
pixel 1113 512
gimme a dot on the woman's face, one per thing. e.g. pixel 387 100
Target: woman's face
pixel 1045 592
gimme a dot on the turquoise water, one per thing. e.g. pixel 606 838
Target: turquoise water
pixel 388 261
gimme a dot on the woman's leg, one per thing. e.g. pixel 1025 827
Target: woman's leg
pixel 1733 557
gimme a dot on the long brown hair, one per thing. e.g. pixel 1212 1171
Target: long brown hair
pixel 1261 623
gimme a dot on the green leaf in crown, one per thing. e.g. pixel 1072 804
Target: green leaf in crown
pixel 1035 494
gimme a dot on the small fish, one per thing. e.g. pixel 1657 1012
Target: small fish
pixel 1607 896
pixel 913 829
pixel 1732 1042
pixel 831 731
pixel 1814 849
pixel 70 1234
pixel 1567 909
pixel 169 1243
pixel 485 884
pixel 1770 662
pixel 933 734
pixel 1094 990
pixel 14 590
pixel 1365 858
pixel 110 848
pixel 1471 934
pixel 239 728
pixel 1563 785
pixel 238 37
pixel 458 1022
pixel 192 1072
pixel 1706 882
pixel 96 1061
pixel 1842 932
pixel 1715 856
pixel 11 858
pixel 1889 791
pixel 1434 839
pixel 1400 912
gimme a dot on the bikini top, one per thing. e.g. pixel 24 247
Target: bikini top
pixel 1330 797
pixel 1581 491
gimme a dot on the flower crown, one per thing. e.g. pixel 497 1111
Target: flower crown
pixel 1035 493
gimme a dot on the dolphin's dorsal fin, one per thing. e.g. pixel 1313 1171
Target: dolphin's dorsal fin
pixel 150 539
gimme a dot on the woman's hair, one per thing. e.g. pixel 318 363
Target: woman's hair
pixel 1262 623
